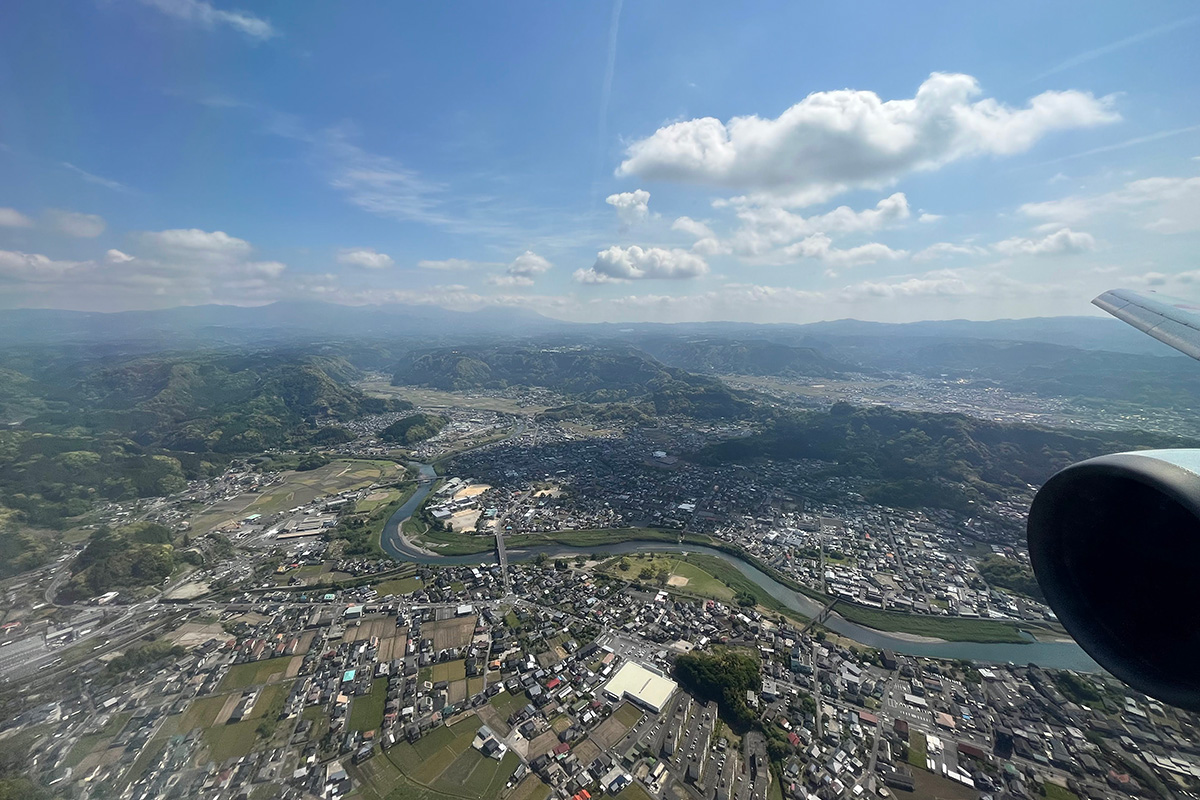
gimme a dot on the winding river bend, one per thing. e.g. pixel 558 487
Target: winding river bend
pixel 1057 655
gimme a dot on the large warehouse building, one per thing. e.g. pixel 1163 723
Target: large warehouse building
pixel 642 686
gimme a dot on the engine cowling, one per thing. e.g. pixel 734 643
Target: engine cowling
pixel 1115 546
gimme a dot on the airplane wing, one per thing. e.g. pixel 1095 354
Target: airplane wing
pixel 1172 321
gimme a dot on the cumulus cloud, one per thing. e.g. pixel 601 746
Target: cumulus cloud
pixel 765 227
pixel 632 207
pixel 73 223
pixel 364 257
pixel 692 228
pixel 636 263
pixel 11 218
pixel 117 257
pixel 522 270
pixel 830 142
pixel 1160 205
pixel 1062 242
pixel 820 246
pixel 947 250
pixel 205 15
pixel 196 243
pixel 16 266
pixel 927 218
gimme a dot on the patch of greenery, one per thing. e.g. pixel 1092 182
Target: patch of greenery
pixel 130 557
pixel 413 429
pixel 1009 574
pixel 954 629
pixel 1077 689
pixel 913 460
pixel 723 675
pixel 139 657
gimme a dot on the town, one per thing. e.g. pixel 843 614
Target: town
pixel 283 666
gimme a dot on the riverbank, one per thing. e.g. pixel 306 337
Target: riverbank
pixel 984 641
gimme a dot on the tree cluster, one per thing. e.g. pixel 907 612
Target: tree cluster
pixel 722 675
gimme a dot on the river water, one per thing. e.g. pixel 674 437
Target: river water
pixel 1056 655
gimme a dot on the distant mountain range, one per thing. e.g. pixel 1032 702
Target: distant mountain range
pixel 297 322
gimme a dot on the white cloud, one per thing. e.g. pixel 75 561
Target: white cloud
pixel 522 270
pixel 205 15
pixel 117 257
pixel 528 264
pixel 193 243
pixel 833 141
pixel 632 207
pixel 73 223
pixel 635 263
pixel 11 218
pixel 911 287
pixel 34 267
pixel 1160 205
pixel 947 250
pixel 364 257
pixel 821 247
pixel 509 280
pixel 455 264
pixel 1062 242
pixel 927 218
pixel 693 228
pixel 107 183
pixel 765 227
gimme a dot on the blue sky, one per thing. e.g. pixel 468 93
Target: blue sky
pixel 598 161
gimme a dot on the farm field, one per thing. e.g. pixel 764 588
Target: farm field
pixel 298 488
pixel 252 673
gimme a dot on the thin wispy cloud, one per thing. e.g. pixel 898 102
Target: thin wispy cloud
pixel 610 68
pixel 107 183
pixel 206 15
pixel 1121 44
pixel 1134 142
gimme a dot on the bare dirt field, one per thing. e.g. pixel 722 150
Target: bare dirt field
pixel 451 632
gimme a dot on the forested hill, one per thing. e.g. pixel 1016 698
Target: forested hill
pixel 590 374
pixel 918 459
pixel 142 427
pixel 223 404
pixel 743 357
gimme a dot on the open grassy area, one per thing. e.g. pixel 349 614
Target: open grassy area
pixel 427 758
pixel 953 629
pixel 252 673
pixel 299 488
pixel 916 749
pixel 506 703
pixel 399 586
pixel 473 774
pixel 633 791
pixel 628 714
pixel 87 744
pixel 1056 792
pixel 434 398
pixel 366 711
pixel 447 543
pixel 201 713
pixel 368 504
pixel 531 787
pixel 230 741
pixel 450 671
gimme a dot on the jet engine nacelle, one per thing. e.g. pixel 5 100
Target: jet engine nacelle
pixel 1115 545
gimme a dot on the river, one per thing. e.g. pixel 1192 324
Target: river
pixel 1057 655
